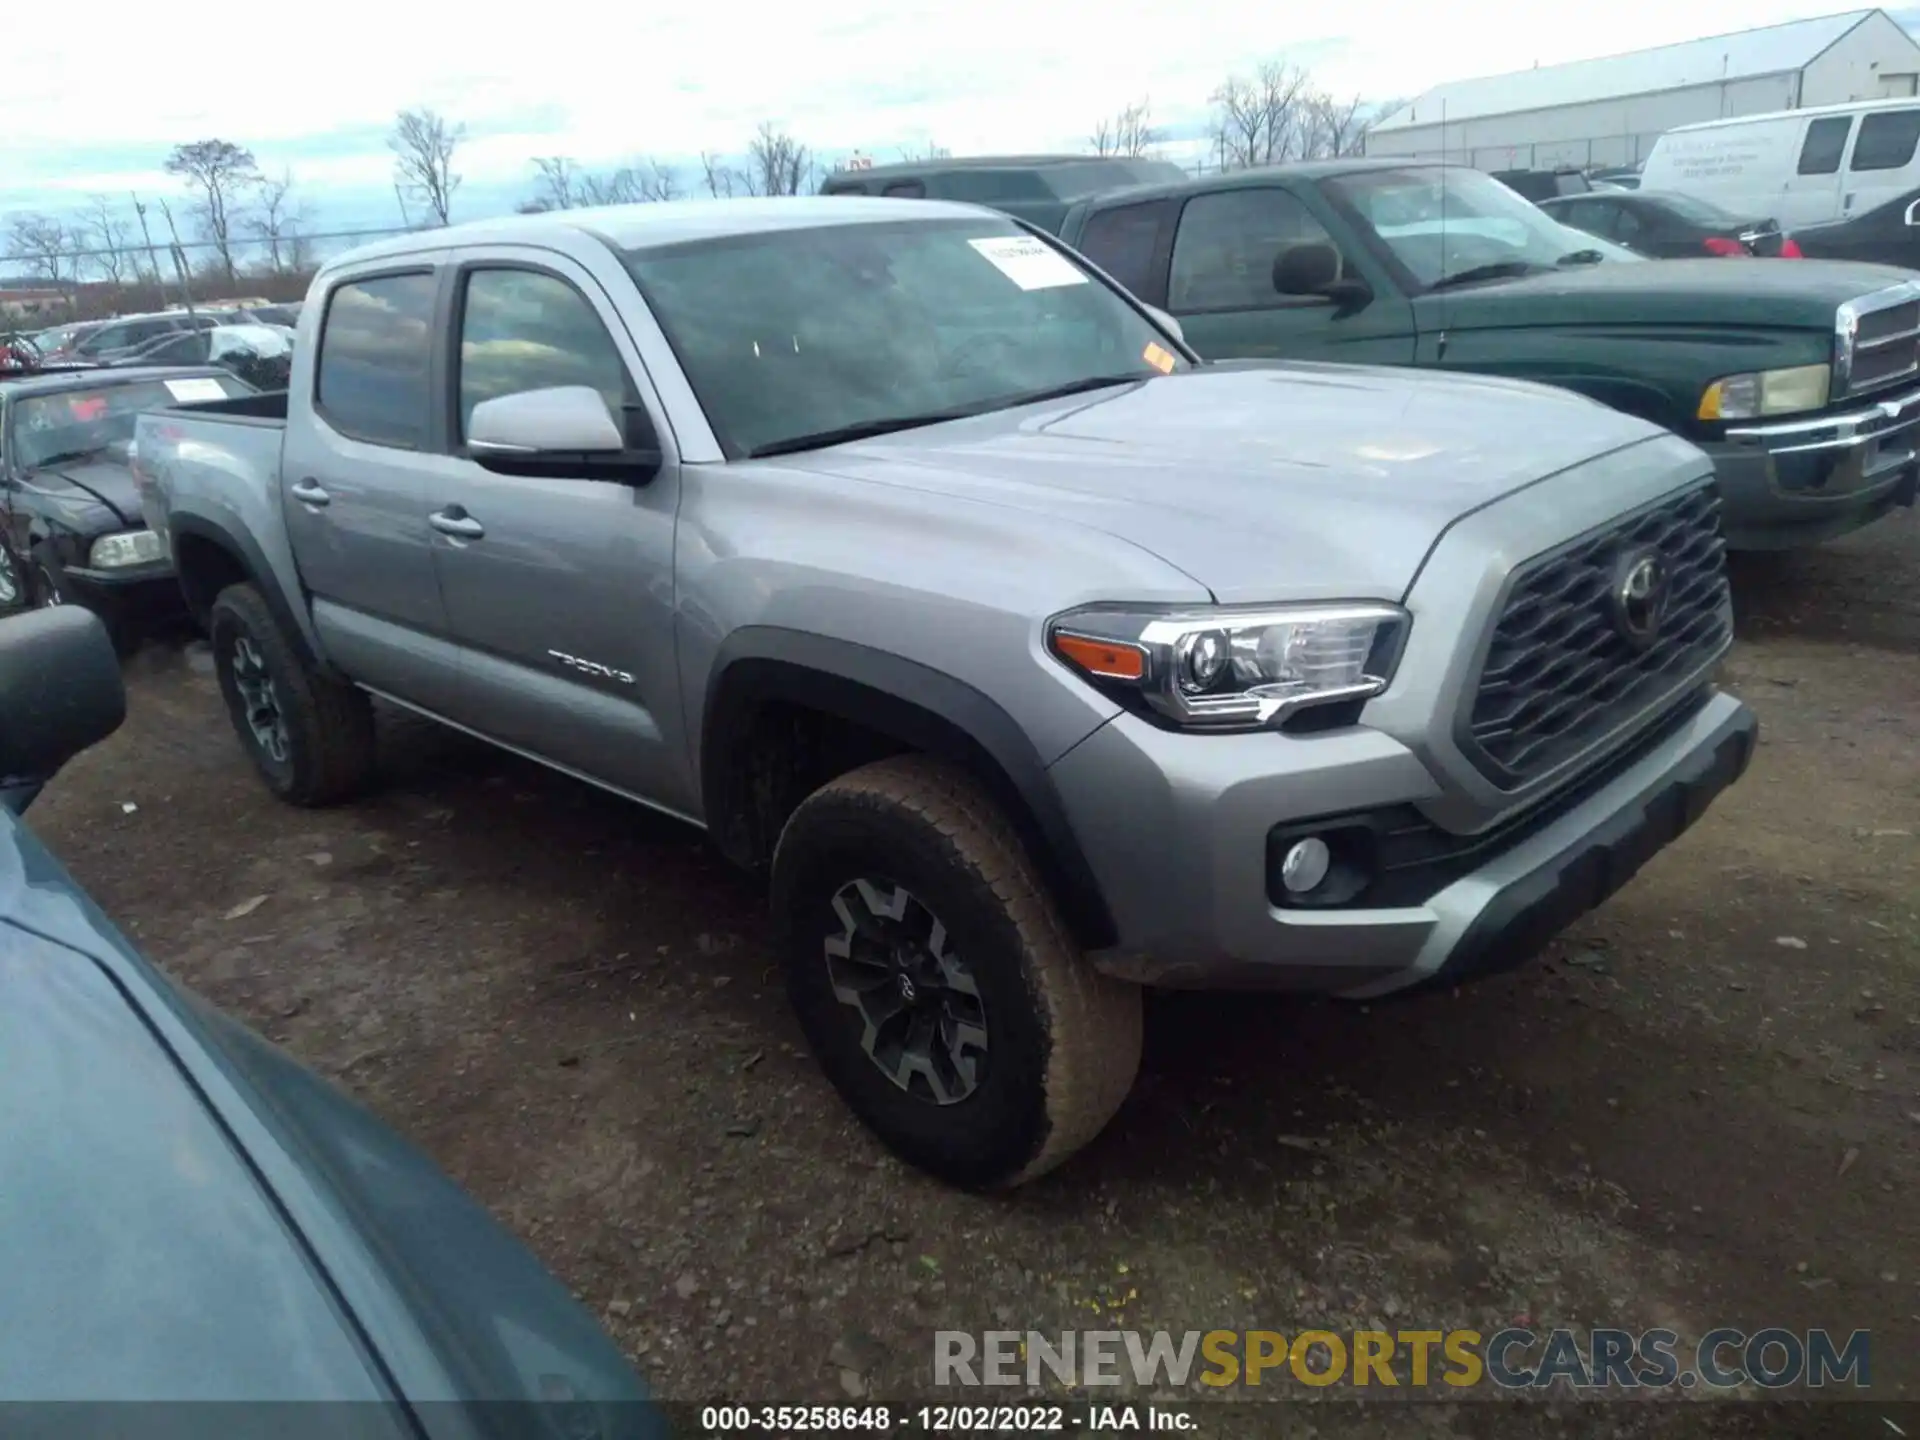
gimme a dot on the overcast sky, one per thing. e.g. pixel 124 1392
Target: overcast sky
pixel 92 105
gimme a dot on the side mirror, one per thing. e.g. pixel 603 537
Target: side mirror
pixel 562 431
pixel 1166 322
pixel 1313 268
pixel 60 692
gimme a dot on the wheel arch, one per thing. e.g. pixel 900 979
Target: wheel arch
pixel 209 556
pixel 765 674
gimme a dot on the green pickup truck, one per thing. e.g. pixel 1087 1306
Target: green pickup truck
pixel 1800 378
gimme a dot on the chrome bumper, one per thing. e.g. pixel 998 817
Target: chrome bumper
pixel 1876 421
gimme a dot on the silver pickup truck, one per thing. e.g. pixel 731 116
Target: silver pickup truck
pixel 927 569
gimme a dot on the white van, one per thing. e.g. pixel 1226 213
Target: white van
pixel 1800 167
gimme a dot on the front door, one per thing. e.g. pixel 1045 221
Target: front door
pixel 1811 193
pixel 559 591
pixel 1221 287
pixel 353 488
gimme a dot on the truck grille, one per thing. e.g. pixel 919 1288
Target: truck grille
pixel 1886 341
pixel 1561 674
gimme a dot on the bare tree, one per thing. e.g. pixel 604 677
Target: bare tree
pixel 423 146
pixel 563 185
pixel 220 174
pixel 659 182
pixel 1259 120
pixel 776 162
pixel 920 154
pixel 556 185
pixel 44 246
pixel 1333 128
pixel 278 214
pixel 105 231
pixel 1130 133
pixel 721 179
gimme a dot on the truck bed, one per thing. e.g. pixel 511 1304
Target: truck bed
pixel 267 407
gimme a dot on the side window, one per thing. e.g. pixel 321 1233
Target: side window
pixel 1886 140
pixel 109 337
pixel 522 330
pixel 1826 142
pixel 906 190
pixel 1627 225
pixel 1588 215
pixel 376 349
pixel 1224 251
pixel 1124 241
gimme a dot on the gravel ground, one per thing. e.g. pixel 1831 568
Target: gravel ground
pixel 1701 1107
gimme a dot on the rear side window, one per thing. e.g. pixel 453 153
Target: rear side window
pixel 1886 140
pixel 1825 143
pixel 906 190
pixel 1124 241
pixel 376 346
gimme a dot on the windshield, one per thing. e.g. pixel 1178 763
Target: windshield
pixel 1688 208
pixel 78 422
pixel 806 332
pixel 1446 223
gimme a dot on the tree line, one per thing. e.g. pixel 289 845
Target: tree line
pixel 231 208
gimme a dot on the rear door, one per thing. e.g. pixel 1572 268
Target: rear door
pixel 1220 285
pixel 1811 193
pixel 354 484
pixel 559 591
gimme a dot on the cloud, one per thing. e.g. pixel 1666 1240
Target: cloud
pixel 317 89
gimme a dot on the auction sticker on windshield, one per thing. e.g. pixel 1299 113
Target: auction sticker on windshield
pixel 186 391
pixel 1028 263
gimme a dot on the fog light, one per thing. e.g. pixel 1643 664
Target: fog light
pixel 1305 865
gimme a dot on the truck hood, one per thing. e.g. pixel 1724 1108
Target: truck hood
pixel 1792 294
pixel 1257 477
pixel 81 484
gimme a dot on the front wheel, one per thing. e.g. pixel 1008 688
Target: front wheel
pixel 310 736
pixel 936 982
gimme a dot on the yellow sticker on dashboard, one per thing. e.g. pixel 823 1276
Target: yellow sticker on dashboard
pixel 1161 360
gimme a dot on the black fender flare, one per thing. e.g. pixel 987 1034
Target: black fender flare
pixel 922 708
pixel 245 552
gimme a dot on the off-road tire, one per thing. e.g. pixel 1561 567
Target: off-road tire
pixel 329 726
pixel 1064 1040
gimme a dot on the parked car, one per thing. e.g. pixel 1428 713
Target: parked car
pixel 1538 185
pixel 127 333
pixel 58 343
pixel 283 315
pixel 1671 227
pixel 262 1238
pixel 1033 659
pixel 261 355
pixel 1887 234
pixel 1399 263
pixel 1620 177
pixel 71 531
pixel 1804 167
pixel 1037 188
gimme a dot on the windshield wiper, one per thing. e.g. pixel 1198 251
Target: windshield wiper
pixel 1581 257
pixel 1498 270
pixel 63 456
pixel 870 429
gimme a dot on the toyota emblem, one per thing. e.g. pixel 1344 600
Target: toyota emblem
pixel 1641 584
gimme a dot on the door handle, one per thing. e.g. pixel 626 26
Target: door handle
pixel 456 522
pixel 308 492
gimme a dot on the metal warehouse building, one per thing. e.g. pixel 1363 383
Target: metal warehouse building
pixel 1610 111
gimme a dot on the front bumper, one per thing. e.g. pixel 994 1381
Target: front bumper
pixel 1176 828
pixel 150 591
pixel 1787 483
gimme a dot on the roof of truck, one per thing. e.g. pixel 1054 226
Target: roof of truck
pixel 1259 176
pixel 672 222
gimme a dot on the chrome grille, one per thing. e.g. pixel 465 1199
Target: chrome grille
pixel 1561 677
pixel 1886 339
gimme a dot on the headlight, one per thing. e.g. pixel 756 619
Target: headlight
pixel 131 547
pixel 1766 392
pixel 1236 669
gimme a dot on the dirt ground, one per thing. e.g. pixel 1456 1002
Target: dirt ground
pixel 1701 1107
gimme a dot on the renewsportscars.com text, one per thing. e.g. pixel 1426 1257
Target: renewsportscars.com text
pixel 1514 1359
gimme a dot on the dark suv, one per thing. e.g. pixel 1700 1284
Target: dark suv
pixel 1035 188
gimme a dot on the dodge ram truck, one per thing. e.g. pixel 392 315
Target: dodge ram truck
pixel 1034 660
pixel 1801 380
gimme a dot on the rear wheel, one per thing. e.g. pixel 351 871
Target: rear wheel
pixel 936 982
pixel 310 736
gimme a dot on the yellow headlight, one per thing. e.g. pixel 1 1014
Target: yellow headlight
pixel 1766 392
